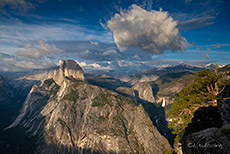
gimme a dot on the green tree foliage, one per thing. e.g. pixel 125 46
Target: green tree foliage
pixel 203 91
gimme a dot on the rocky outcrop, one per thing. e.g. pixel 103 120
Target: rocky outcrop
pixel 211 140
pixel 144 91
pixel 141 92
pixel 73 115
pixel 69 69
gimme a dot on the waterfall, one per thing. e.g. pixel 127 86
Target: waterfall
pixel 163 102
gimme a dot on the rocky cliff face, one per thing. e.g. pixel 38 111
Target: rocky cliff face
pixel 69 69
pixel 141 92
pixel 144 91
pixel 70 115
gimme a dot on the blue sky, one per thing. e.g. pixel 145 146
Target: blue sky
pixel 38 33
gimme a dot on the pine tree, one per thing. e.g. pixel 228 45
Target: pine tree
pixel 203 91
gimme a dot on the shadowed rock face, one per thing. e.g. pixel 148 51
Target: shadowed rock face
pixel 211 140
pixel 73 114
pixel 10 103
pixel 6 92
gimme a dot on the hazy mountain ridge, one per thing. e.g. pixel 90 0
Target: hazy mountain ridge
pixel 27 79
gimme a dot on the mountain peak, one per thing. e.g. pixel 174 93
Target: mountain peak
pixel 68 69
pixel 69 64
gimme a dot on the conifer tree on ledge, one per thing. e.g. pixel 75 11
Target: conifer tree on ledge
pixel 203 91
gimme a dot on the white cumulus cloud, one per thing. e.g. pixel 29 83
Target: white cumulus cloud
pixel 92 66
pixel 153 32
